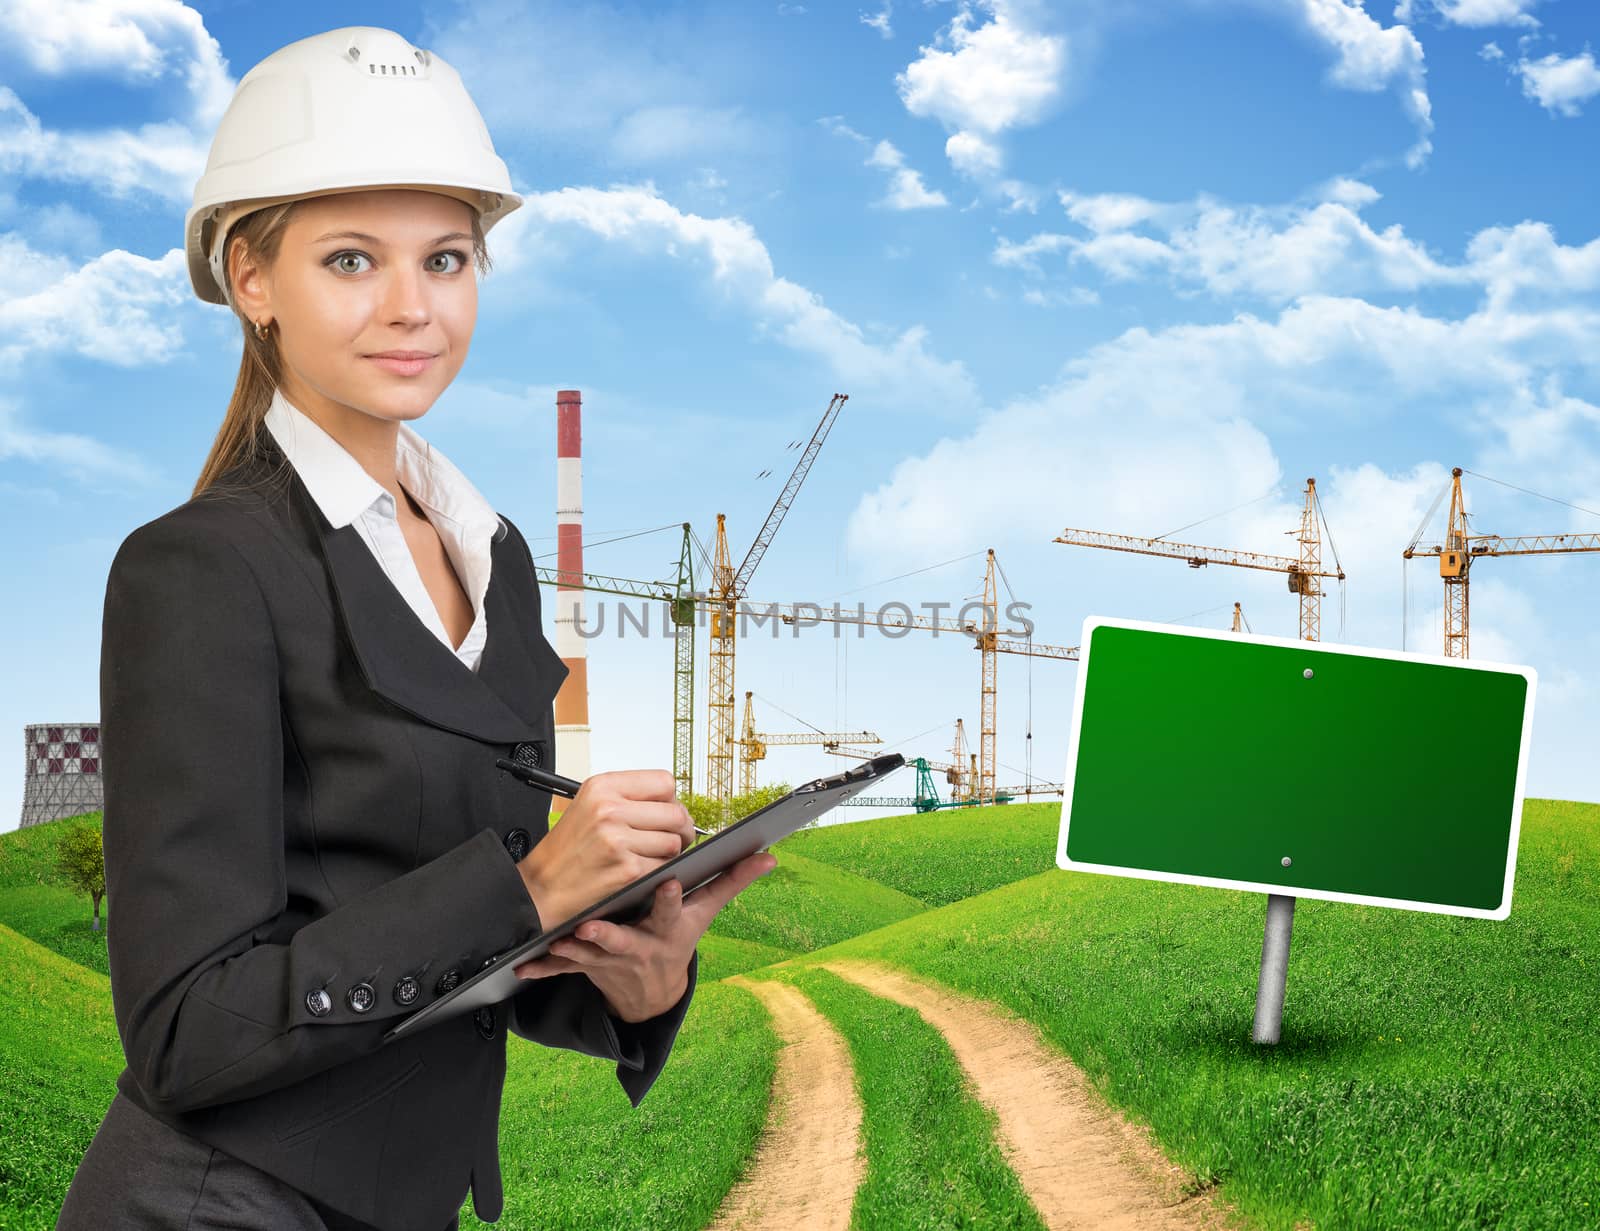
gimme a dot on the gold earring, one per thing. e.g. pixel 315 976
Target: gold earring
pixel 261 330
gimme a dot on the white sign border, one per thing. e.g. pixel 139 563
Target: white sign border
pixel 1091 623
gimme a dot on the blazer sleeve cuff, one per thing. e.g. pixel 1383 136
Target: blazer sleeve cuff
pixel 654 1037
pixel 570 1012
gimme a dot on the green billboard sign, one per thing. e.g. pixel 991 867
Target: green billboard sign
pixel 1296 768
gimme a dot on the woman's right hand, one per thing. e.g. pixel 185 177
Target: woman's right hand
pixel 619 826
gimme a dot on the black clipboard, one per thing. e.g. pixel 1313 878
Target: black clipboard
pixel 694 867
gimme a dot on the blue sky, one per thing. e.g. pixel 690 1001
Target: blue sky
pixel 1091 264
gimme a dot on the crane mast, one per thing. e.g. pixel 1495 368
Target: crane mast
pixel 1460 549
pixel 727 589
pixel 1304 571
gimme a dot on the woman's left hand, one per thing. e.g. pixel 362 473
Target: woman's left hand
pixel 642 969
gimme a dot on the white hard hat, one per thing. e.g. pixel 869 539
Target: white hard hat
pixel 349 109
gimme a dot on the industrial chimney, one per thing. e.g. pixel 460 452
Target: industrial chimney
pixel 572 702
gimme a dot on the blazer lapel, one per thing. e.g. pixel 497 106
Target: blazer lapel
pixel 505 701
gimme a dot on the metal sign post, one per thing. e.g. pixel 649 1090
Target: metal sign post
pixel 1295 769
pixel 1274 969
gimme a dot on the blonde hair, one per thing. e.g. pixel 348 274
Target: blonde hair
pixel 261 234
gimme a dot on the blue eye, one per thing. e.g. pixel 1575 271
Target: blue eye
pixel 338 258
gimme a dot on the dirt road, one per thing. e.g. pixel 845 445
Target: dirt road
pixel 809 1163
pixel 1082 1165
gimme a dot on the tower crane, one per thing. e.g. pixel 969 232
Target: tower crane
pixel 1304 572
pixel 1460 549
pixel 754 744
pixel 726 590
pixel 987 637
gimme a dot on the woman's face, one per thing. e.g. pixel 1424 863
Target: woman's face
pixel 364 275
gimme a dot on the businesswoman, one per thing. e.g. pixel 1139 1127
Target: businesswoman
pixel 308 671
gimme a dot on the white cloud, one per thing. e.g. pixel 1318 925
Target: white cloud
pixel 898 369
pixel 1319 247
pixel 1025 254
pixel 987 78
pixel 879 21
pixel 979 80
pixel 162 158
pixel 1374 57
pixel 1071 297
pixel 1354 193
pixel 1022 196
pixel 1276 253
pixel 1529 258
pixel 1111 211
pixel 1067 462
pixel 1223 413
pixel 1491 52
pixel 79 457
pixel 1474 12
pixel 982 78
pixel 973 156
pixel 1560 84
pixel 117 308
pixel 906 189
pixel 138 41
pixel 836 125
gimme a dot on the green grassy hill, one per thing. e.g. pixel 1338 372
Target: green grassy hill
pixel 32 902
pixel 1434 1071
pixel 576 1151
pixel 802 905
pixel 938 857
pixel 60 1054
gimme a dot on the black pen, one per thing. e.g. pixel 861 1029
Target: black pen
pixel 556 784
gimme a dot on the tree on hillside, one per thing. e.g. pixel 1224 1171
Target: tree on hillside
pixel 81 863
pixel 708 814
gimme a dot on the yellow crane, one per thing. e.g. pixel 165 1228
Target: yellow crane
pixel 1460 549
pixel 988 637
pixel 754 744
pixel 723 596
pixel 1304 572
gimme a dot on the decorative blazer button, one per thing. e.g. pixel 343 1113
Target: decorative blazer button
pixel 406 990
pixel 447 982
pixel 529 753
pixel 319 1003
pixel 484 1020
pixel 361 998
pixel 518 843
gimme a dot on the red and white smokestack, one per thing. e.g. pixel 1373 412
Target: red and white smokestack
pixel 572 701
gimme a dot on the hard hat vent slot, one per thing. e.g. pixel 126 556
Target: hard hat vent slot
pixel 392 70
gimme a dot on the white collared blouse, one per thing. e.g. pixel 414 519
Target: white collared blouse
pixel 347 494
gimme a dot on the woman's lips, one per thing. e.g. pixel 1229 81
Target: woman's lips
pixel 402 366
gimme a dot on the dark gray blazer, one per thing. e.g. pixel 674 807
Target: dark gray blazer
pixel 307 838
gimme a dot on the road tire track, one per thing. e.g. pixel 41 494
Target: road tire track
pixel 809 1162
pixel 1082 1164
